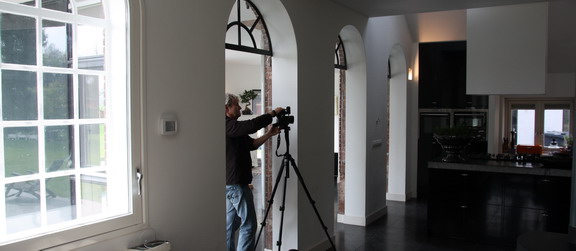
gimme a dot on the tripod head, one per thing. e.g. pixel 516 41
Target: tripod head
pixel 283 120
pixel 287 139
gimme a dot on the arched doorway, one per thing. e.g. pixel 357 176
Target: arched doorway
pixel 340 66
pixel 248 67
pixel 351 206
pixel 253 26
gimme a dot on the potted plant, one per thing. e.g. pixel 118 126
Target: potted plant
pixel 453 141
pixel 246 97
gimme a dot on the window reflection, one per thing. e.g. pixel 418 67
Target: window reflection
pixel 94 195
pixel 61 199
pixel 91 95
pixel 92 145
pixel 56 43
pixel 59 147
pixel 59 5
pixel 90 8
pixel 18 37
pixel 90 47
pixel 556 124
pixel 20 151
pixel 19 100
pixel 22 206
pixel 58 101
pixel 523 123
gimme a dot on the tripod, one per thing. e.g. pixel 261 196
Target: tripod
pixel 285 166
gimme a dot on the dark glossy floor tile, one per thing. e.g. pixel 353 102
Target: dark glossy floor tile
pixel 402 229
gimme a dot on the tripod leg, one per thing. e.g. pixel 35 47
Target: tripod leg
pixel 271 200
pixel 283 207
pixel 312 202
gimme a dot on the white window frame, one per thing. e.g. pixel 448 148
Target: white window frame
pixel 87 234
pixel 539 114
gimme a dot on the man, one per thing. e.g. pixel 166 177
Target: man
pixel 240 212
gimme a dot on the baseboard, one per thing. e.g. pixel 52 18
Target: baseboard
pixel 362 221
pixel 398 197
pixel 352 220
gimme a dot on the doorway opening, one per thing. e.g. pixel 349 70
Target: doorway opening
pixel 249 75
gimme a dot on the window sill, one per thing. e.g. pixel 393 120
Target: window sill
pixel 125 237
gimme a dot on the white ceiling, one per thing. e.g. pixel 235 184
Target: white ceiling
pixel 375 8
pixel 445 20
pixel 240 57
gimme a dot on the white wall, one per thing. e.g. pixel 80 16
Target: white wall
pixel 185 74
pixel 397 158
pixel 382 33
pixel 314 110
pixel 355 153
pixel 240 77
pixel 184 66
pixel 506 49
pixel 438 26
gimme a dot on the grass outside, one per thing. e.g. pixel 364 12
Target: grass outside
pixel 22 159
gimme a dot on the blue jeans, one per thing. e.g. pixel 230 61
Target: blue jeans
pixel 240 213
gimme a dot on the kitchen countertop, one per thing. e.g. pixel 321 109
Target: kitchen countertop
pixel 502 166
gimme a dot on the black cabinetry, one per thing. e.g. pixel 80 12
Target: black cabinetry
pixel 465 205
pixel 496 207
pixel 442 77
pixel 536 203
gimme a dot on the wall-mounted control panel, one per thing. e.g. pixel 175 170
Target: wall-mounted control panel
pixel 168 124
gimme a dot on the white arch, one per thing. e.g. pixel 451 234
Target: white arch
pixel 284 93
pixel 356 96
pixel 398 116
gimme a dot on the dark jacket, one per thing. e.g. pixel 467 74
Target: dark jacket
pixel 238 147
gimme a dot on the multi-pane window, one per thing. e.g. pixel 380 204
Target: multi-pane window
pixel 540 122
pixel 65 154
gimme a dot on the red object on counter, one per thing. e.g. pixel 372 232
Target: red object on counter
pixel 528 149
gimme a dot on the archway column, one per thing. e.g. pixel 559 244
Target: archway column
pixel 355 210
pixel 397 161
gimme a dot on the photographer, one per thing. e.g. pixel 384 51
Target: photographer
pixel 240 211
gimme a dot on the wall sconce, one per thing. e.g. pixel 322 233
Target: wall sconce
pixel 409 73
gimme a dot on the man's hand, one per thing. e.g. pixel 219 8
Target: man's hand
pixel 276 111
pixel 273 130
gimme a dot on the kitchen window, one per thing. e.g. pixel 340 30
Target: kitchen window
pixel 67 157
pixel 543 122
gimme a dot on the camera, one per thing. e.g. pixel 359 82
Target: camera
pixel 283 119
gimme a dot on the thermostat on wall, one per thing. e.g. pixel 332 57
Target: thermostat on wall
pixel 168 124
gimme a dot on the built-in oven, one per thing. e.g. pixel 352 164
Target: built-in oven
pixel 430 121
pixel 474 119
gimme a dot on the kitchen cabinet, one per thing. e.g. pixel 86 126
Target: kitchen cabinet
pixel 495 207
pixel 460 207
pixel 442 77
pixel 536 203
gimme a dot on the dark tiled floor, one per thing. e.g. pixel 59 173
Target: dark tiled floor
pixel 402 229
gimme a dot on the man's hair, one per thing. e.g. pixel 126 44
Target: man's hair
pixel 230 98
